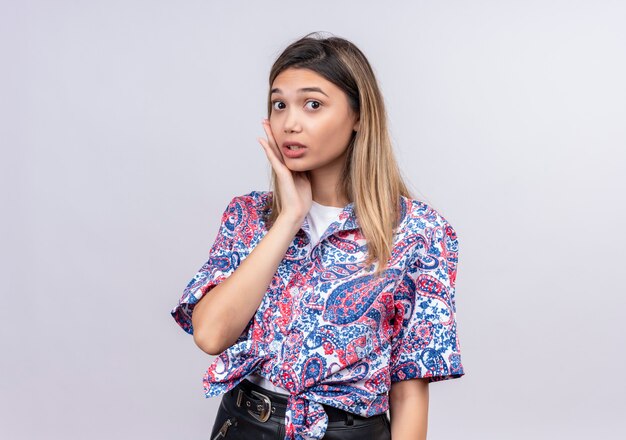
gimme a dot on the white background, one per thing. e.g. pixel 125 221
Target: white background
pixel 127 126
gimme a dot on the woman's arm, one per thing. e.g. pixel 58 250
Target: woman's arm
pixel 222 314
pixel 408 409
pixel 220 317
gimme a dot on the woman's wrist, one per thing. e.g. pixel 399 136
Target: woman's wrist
pixel 291 221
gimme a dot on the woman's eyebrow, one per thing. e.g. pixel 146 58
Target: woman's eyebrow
pixel 302 90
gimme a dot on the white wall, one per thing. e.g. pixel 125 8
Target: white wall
pixel 126 127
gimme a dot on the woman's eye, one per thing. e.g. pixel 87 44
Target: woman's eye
pixel 279 105
pixel 314 102
pixel 277 102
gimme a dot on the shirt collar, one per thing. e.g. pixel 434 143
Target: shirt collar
pixel 346 221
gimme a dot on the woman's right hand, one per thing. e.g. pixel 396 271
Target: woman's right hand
pixel 295 187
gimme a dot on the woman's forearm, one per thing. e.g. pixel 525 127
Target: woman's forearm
pixel 408 409
pixel 222 314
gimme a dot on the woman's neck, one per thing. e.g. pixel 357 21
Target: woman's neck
pixel 325 186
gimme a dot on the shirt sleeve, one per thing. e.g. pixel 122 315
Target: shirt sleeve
pixel 424 340
pixel 224 258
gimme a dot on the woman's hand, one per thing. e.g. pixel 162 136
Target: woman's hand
pixel 295 187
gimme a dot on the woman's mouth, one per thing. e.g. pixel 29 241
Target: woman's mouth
pixel 293 149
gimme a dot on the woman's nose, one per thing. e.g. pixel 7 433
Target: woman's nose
pixel 291 123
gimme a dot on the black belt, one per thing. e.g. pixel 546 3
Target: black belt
pixel 262 404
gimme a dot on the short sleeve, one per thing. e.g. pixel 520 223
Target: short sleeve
pixel 223 259
pixel 424 341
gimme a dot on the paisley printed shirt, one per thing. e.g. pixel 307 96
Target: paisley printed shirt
pixel 327 330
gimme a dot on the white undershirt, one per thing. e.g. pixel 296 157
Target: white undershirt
pixel 319 219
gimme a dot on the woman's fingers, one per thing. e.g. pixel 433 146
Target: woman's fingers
pixel 271 141
pixel 271 155
pixel 272 150
pixel 295 187
pixel 268 130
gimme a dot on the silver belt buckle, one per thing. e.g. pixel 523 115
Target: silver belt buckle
pixel 266 409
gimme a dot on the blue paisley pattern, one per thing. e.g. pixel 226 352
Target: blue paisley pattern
pixel 327 330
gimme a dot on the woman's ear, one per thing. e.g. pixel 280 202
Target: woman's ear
pixel 356 125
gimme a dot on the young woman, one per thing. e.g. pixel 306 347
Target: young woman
pixel 330 299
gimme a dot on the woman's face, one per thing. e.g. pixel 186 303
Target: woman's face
pixel 310 110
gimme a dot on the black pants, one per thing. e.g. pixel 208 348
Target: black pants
pixel 236 422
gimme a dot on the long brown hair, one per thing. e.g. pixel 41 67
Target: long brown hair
pixel 371 179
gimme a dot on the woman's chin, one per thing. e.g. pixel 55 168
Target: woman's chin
pixel 295 166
